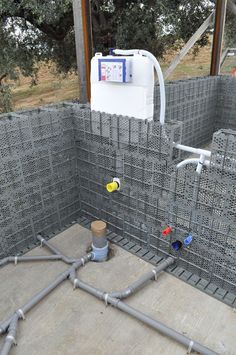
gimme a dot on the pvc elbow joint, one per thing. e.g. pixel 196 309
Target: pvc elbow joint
pixel 114 185
pixel 99 254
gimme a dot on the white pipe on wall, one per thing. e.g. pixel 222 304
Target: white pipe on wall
pixel 199 151
pixel 192 161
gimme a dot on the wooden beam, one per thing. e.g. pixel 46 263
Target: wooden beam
pixel 195 37
pixel 83 42
pixel 218 36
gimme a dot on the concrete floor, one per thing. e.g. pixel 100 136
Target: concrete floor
pixel 74 322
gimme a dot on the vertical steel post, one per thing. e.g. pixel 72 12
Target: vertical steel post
pixel 83 42
pixel 218 36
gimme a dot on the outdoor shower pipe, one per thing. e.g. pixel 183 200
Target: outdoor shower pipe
pixel 199 151
pixel 135 313
pixel 192 161
pixel 199 161
pixel 137 285
pixel 159 74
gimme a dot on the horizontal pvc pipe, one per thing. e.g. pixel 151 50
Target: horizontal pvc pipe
pixel 141 282
pixel 55 250
pixel 159 74
pixel 16 259
pixel 10 338
pixel 191 161
pixel 160 327
pixel 35 258
pixel 186 148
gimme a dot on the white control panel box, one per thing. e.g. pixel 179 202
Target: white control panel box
pixel 122 85
pixel 115 70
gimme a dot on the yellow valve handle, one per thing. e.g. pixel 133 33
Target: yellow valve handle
pixel 112 186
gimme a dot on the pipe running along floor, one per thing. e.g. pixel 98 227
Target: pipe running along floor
pixel 74 322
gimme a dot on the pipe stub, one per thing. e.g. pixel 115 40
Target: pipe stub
pixel 99 228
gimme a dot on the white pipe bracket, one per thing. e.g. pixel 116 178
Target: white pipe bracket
pixel 190 347
pixel 83 261
pixel 21 314
pixel 106 295
pixel 12 338
pixel 15 260
pixel 155 274
pixel 75 284
pixel 41 242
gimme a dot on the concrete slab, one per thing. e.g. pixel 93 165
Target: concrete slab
pixel 73 322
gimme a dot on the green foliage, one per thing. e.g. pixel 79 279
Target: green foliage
pixel 230 31
pixel 5 98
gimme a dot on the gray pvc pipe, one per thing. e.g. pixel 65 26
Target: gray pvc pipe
pixel 16 259
pixel 10 338
pixel 160 327
pixel 137 285
pixel 55 250
pixel 5 324
pixel 34 258
pixel 63 276
pixel 40 295
pixel 90 289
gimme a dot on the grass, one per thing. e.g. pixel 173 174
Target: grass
pixel 52 88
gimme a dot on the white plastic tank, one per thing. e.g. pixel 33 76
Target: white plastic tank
pixel 122 85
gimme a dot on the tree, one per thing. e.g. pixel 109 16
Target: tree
pixel 33 30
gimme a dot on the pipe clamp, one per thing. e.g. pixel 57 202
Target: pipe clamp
pixel 190 347
pixel 75 284
pixel 21 314
pixel 12 338
pixel 82 261
pixel 106 295
pixel 41 242
pixel 155 274
pixel 15 260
